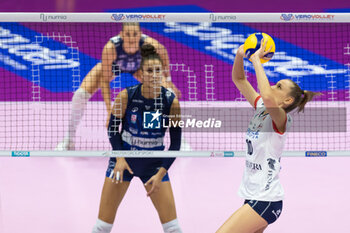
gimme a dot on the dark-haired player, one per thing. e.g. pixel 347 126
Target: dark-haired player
pixel 120 55
pixel 136 102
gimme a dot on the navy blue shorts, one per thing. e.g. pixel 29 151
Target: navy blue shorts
pixel 144 172
pixel 270 211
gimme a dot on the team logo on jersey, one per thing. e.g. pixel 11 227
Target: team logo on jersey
pixel 137 101
pixel 135 109
pixel 133 118
pixel 147 107
pixel 263 114
pixel 277 213
pixel 152 120
pixel 271 163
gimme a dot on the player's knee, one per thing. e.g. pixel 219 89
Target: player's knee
pixel 98 69
pixel 81 96
pixel 172 227
pixel 102 227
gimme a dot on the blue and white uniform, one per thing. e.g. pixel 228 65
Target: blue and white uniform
pixel 126 63
pixel 260 185
pixel 136 137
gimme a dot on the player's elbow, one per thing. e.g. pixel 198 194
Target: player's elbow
pixel 237 78
pixel 161 50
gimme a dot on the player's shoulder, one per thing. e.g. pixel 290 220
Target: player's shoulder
pixel 144 36
pixel 124 94
pixel 168 93
pixel 116 39
pixel 132 89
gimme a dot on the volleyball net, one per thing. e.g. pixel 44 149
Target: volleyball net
pixel 44 59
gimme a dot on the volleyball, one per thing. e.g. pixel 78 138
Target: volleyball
pixel 253 42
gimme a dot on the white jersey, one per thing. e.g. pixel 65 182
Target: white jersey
pixel 264 149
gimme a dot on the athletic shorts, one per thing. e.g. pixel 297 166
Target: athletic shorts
pixel 142 170
pixel 270 211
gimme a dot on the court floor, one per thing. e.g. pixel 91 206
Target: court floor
pixel 62 195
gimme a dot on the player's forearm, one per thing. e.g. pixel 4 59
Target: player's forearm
pixel 165 59
pixel 238 69
pixel 114 136
pixel 263 82
pixel 162 172
pixel 175 144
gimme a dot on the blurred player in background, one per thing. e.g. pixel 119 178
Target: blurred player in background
pixel 120 55
pixel 129 109
pixel 265 138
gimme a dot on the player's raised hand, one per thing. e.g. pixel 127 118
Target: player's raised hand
pixel 240 51
pixel 261 52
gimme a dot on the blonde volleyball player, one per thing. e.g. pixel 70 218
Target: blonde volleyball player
pixel 265 138
pixel 136 101
pixel 120 55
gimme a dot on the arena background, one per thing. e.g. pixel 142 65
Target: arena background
pixel 62 194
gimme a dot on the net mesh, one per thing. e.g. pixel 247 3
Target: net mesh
pixel 43 64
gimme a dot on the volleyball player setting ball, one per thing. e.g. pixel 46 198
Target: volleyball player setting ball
pixel 265 138
pixel 135 101
pixel 120 55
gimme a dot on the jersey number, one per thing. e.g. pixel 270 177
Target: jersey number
pixel 250 147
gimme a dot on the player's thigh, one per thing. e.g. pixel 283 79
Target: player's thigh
pixel 91 82
pixel 112 196
pixel 244 220
pixel 163 201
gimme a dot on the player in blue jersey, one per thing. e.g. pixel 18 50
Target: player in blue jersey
pixel 120 55
pixel 265 138
pixel 141 110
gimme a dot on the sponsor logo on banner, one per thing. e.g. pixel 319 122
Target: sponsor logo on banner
pixel 287 17
pixel 129 153
pixel 222 154
pixel 311 17
pixel 228 18
pixel 229 154
pixel 137 17
pixel 45 17
pixel 118 17
pixel 20 154
pixel 316 153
